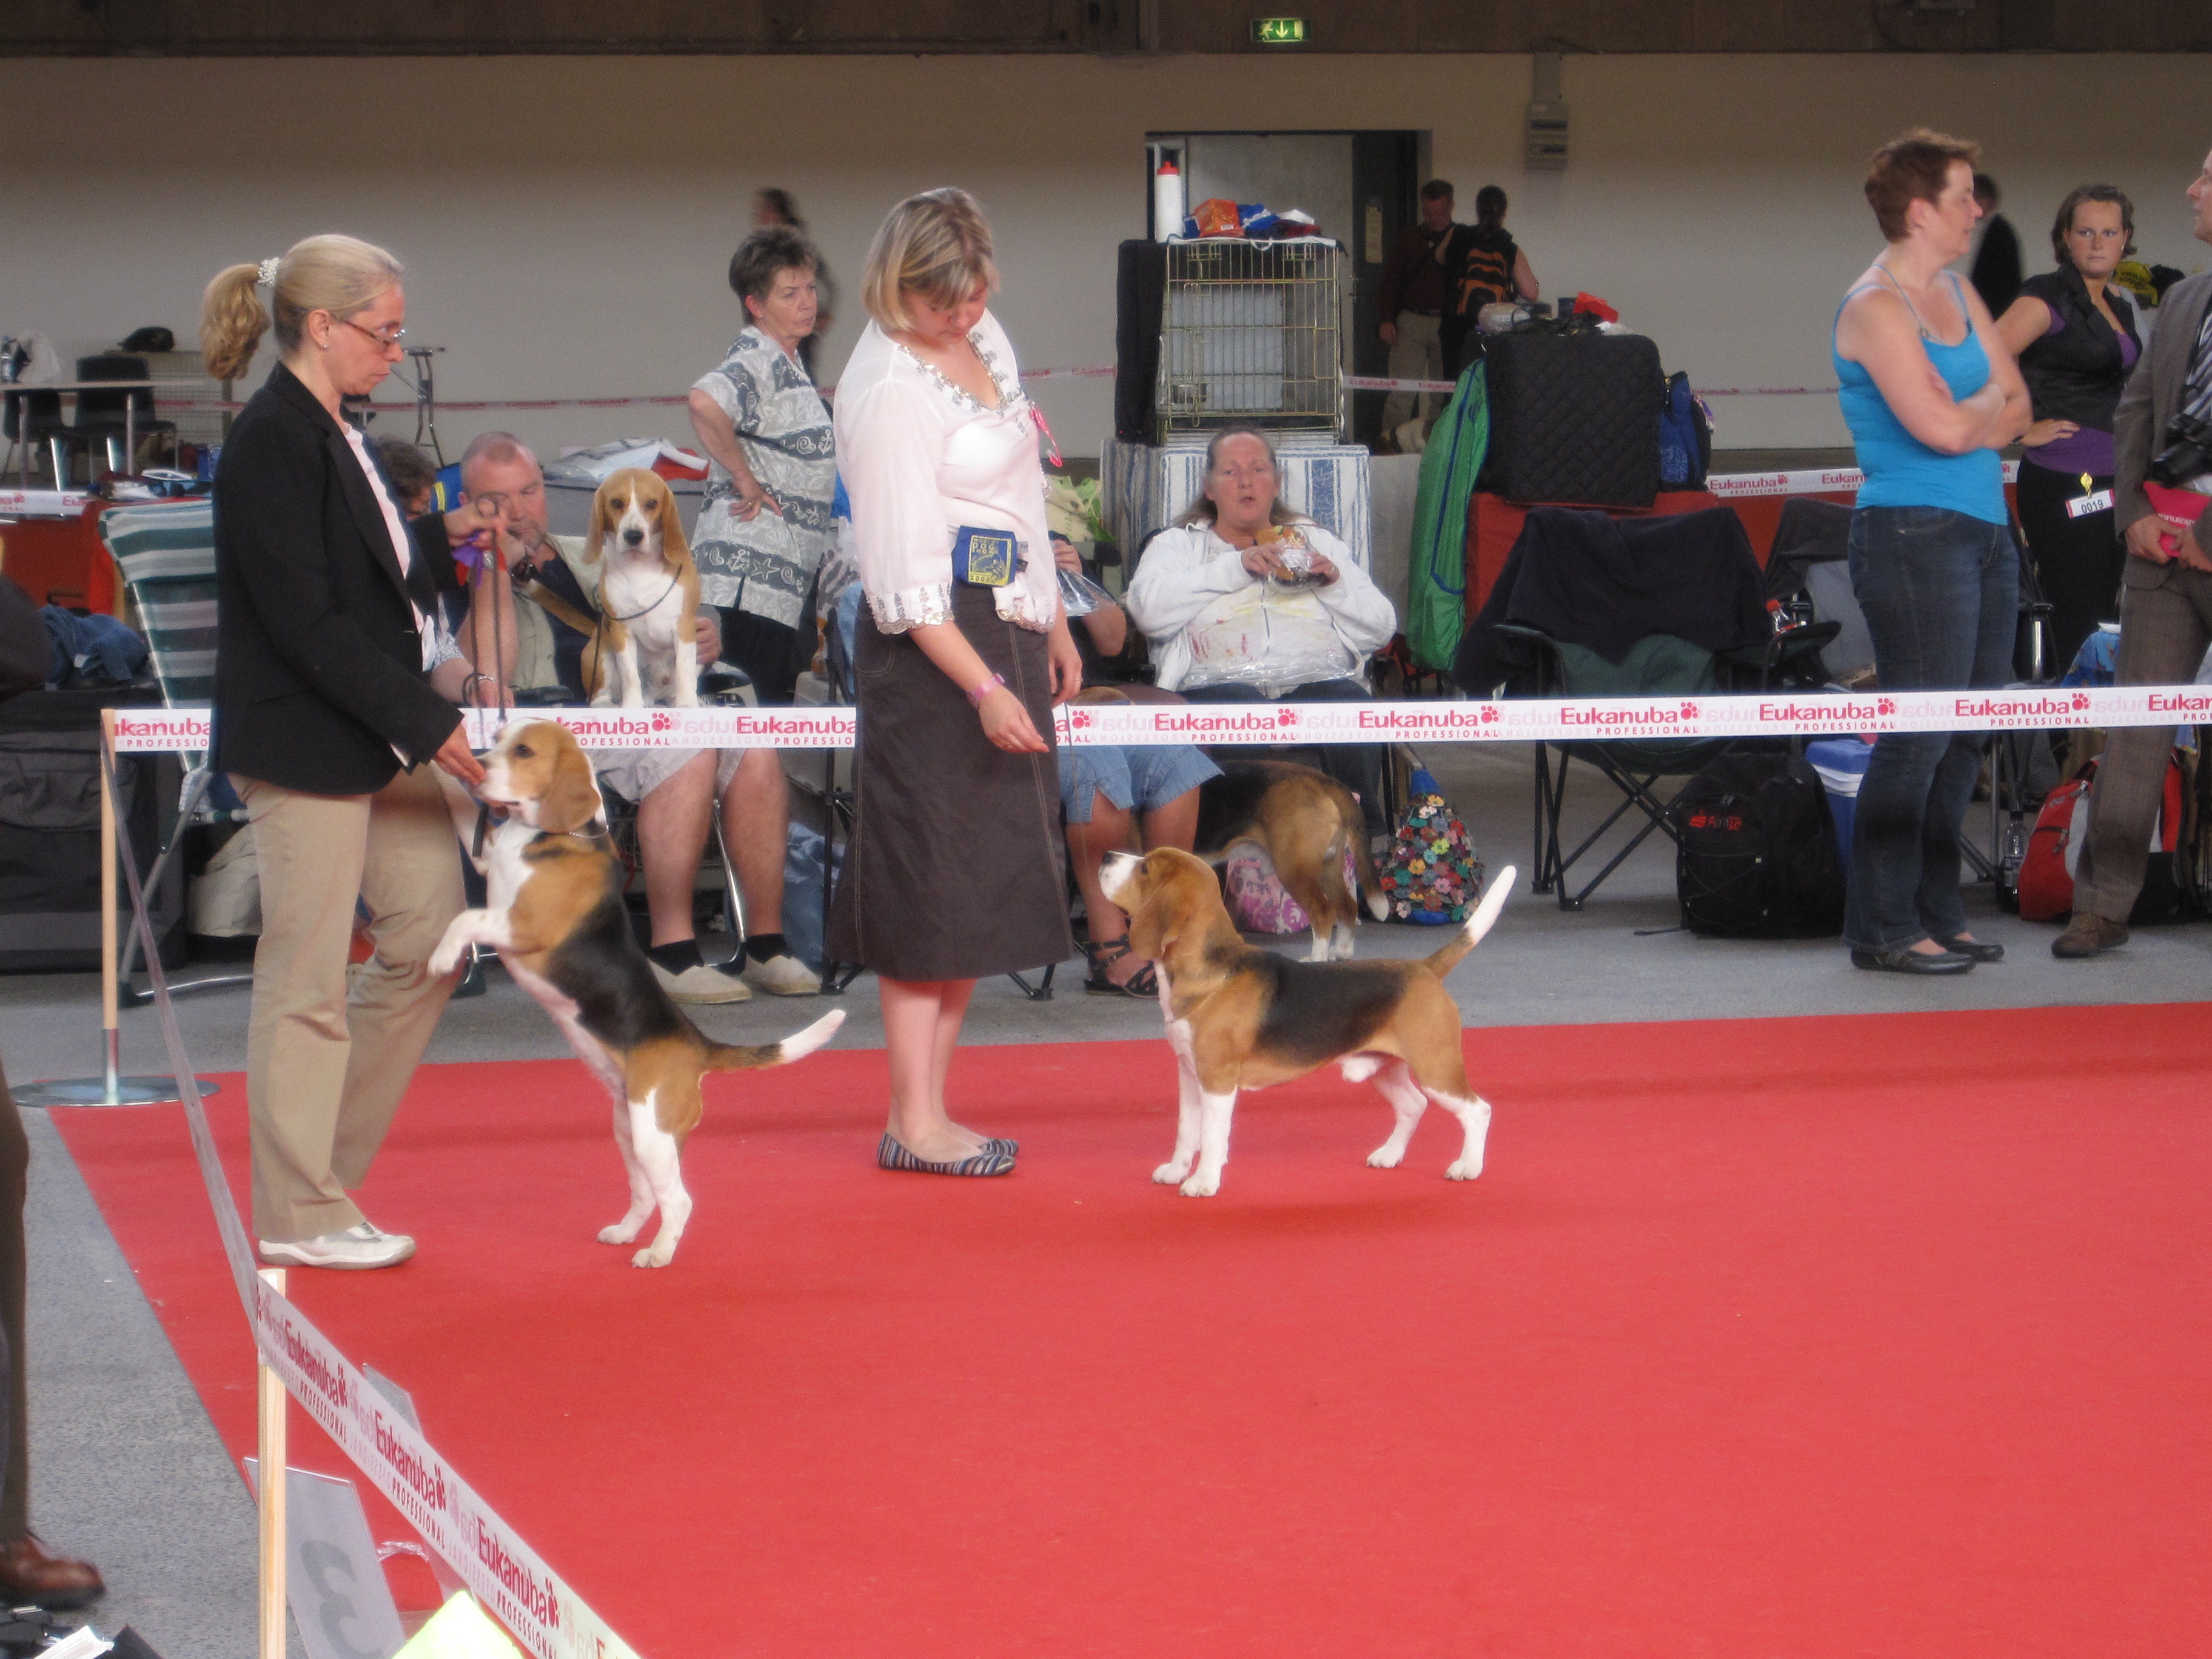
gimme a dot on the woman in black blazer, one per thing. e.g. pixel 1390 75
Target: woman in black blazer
pixel 324 719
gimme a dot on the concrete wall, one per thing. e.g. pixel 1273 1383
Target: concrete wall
pixel 567 221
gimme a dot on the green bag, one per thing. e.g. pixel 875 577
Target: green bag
pixel 1436 597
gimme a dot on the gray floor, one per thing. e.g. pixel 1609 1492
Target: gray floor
pixel 127 1468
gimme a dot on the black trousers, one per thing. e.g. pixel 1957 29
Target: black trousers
pixel 1357 766
pixel 2077 561
pixel 15 1436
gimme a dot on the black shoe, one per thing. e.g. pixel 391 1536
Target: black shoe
pixel 1978 949
pixel 1908 961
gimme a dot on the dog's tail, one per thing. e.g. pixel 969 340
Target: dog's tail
pixel 1479 923
pixel 747 1057
pixel 1354 826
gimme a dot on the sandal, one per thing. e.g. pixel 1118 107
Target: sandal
pixel 1145 983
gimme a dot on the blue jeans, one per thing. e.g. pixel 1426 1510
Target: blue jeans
pixel 1941 591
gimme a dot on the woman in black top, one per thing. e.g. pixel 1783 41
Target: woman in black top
pixel 2074 332
pixel 1483 265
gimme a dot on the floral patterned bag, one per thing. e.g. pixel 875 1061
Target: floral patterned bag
pixel 1433 875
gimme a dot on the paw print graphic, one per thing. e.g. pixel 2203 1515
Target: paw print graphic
pixel 1886 706
pixel 664 722
pixel 1689 711
pixel 1079 720
pixel 2081 700
pixel 1286 718
pixel 1489 713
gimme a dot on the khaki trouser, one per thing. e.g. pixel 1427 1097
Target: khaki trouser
pixel 326 1063
pixel 2165 620
pixel 1418 354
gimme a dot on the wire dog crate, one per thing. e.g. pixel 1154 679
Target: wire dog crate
pixel 1250 336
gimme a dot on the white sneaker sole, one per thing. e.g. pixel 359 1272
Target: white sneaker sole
pixel 291 1255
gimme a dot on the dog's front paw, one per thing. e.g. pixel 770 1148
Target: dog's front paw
pixel 1169 1175
pixel 447 955
pixel 686 697
pixel 634 699
pixel 623 1232
pixel 1201 1186
pixel 653 1255
pixel 1464 1170
pixel 1386 1158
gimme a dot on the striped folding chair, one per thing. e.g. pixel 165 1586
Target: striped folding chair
pixel 166 555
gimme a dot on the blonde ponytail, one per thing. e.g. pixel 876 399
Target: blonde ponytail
pixel 232 321
pixel 341 275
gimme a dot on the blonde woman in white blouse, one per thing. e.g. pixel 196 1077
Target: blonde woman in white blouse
pixel 955 867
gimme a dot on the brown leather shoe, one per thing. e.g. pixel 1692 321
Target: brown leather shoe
pixel 28 1574
pixel 2087 935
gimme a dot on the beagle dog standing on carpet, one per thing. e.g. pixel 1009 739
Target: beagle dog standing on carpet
pixel 1305 822
pixel 557 918
pixel 1241 1018
pixel 646 643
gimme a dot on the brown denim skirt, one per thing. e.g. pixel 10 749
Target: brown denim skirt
pixel 956 868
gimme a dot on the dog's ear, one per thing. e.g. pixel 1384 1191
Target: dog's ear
pixel 572 796
pixel 1151 923
pixel 675 547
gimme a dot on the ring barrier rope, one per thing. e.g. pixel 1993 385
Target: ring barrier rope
pixel 1568 719
pixel 510 1578
pixel 1351 383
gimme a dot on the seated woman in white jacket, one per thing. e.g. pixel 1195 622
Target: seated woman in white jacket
pixel 1244 601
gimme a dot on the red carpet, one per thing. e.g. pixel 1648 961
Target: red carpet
pixel 1805 1337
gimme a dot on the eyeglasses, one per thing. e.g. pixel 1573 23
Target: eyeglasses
pixel 385 341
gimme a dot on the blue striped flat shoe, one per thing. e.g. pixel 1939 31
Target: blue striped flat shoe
pixel 995 1144
pixel 890 1155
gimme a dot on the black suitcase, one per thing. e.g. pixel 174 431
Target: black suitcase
pixel 50 833
pixel 1574 418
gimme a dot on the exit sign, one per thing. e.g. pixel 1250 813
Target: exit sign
pixel 1279 31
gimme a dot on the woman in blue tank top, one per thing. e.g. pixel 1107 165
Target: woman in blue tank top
pixel 1930 397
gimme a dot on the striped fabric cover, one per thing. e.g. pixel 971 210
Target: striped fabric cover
pixel 166 551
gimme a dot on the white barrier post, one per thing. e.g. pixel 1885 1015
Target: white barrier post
pixel 272 1405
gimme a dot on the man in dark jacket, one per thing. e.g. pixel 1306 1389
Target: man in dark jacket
pixel 1996 272
pixel 2166 596
pixel 1412 306
pixel 28 1572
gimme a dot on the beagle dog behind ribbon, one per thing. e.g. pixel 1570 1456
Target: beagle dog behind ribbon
pixel 1241 1018
pixel 1306 822
pixel 557 918
pixel 645 646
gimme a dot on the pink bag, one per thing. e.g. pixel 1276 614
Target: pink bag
pixel 1257 902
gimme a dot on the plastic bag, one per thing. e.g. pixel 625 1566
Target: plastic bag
pixel 1271 634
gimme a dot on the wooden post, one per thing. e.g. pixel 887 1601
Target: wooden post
pixel 272 1478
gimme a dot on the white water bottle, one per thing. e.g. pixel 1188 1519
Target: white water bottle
pixel 1167 201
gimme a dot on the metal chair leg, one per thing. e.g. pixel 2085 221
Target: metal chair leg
pixel 734 900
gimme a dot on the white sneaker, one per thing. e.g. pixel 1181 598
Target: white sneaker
pixel 359 1246
pixel 701 984
pixel 783 976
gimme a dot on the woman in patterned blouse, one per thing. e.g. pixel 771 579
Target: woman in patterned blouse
pixel 767 524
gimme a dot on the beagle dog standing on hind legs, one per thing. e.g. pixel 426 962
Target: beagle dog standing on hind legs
pixel 556 916
pixel 1241 1018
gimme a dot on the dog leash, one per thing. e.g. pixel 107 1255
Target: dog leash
pixel 633 616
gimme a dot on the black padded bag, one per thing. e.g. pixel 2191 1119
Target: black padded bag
pixel 50 833
pixel 1574 418
pixel 1756 850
